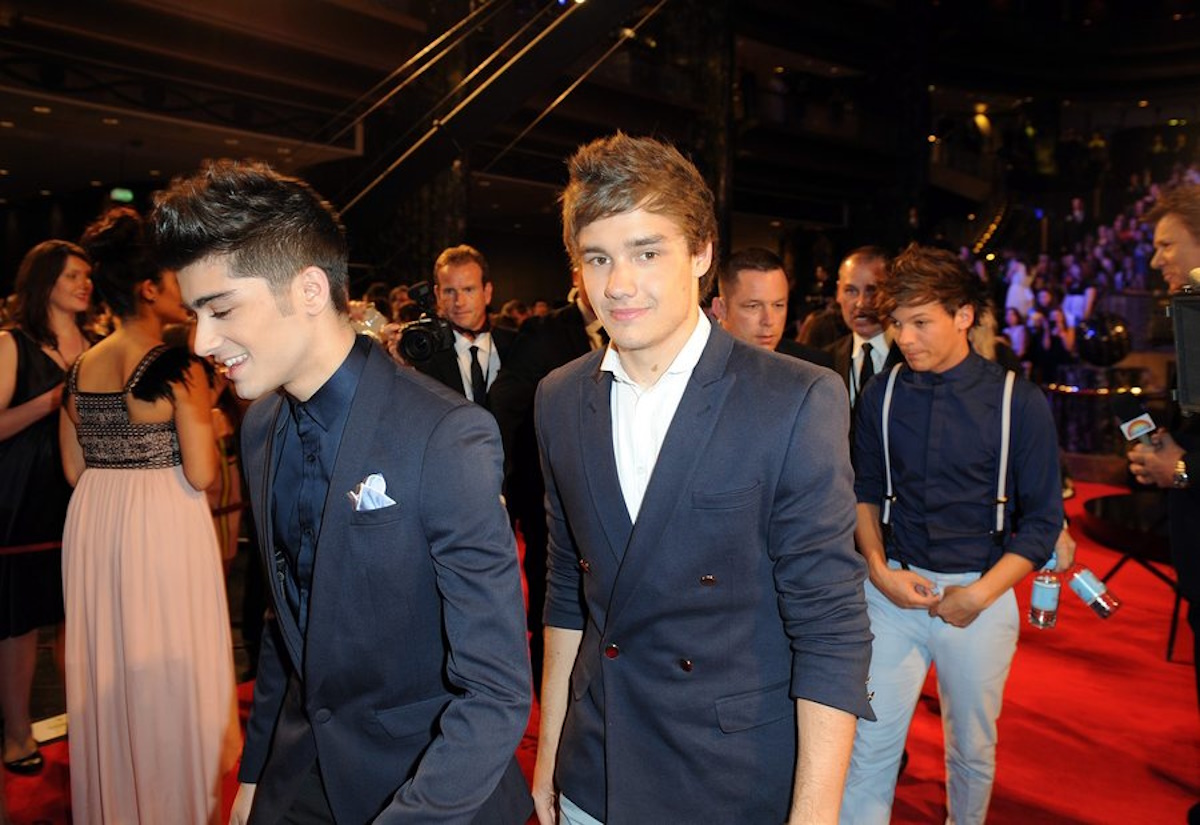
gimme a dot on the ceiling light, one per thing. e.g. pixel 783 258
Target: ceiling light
pixel 1142 104
pixel 6 124
pixel 154 173
pixel 44 192
pixel 97 183
pixel 42 110
pixel 3 173
pixel 110 121
pixel 231 141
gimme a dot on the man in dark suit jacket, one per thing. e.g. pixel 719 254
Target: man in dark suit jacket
pixel 858 279
pixel 752 303
pixel 544 343
pixel 392 683
pixel 1171 461
pixel 705 605
pixel 463 287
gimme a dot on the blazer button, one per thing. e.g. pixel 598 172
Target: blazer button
pixel 322 716
pixel 585 565
pixel 685 665
pixel 708 580
pixel 612 651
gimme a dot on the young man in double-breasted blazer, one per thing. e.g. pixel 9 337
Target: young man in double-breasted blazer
pixel 705 603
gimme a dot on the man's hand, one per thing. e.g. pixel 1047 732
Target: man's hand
pixel 1064 549
pixel 545 798
pixel 1154 464
pixel 904 587
pixel 959 605
pixel 242 803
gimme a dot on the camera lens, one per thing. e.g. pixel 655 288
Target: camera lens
pixel 416 344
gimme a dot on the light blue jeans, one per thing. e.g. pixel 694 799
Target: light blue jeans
pixel 972 667
pixel 571 814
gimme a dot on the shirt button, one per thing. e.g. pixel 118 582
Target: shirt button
pixel 310 458
pixel 708 580
pixel 685 665
pixel 612 651
pixel 323 715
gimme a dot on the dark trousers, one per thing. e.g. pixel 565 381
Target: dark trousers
pixel 310 807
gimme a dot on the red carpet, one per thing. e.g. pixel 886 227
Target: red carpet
pixel 1097 728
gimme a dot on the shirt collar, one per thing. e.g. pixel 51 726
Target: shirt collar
pixel 685 361
pixel 879 342
pixel 335 395
pixel 964 370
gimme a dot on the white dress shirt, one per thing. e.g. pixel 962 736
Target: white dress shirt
pixel 880 346
pixel 641 417
pixel 489 359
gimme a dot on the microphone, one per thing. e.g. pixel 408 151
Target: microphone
pixel 1136 423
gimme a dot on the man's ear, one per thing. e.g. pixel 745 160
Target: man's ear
pixel 312 290
pixel 702 260
pixel 718 308
pixel 965 317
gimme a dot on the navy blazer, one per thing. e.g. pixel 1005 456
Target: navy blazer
pixel 412 684
pixel 737 591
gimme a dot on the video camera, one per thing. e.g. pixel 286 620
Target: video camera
pixel 429 334
pixel 1185 315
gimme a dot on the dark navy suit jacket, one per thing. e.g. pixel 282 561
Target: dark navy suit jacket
pixel 737 591
pixel 412 684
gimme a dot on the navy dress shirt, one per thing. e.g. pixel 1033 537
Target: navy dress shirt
pixel 309 447
pixel 944 433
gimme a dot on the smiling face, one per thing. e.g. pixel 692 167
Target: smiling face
pixel 755 309
pixel 241 325
pixel 1176 252
pixel 73 289
pixel 857 280
pixel 932 339
pixel 643 282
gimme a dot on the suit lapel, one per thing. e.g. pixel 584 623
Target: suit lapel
pixel 842 360
pixel 262 469
pixel 598 461
pixel 685 443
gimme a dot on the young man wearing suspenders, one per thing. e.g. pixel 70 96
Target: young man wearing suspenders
pixel 946 450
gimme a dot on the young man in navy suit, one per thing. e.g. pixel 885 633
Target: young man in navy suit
pixel 393 681
pixel 705 605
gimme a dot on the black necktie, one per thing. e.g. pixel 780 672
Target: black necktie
pixel 478 382
pixel 865 370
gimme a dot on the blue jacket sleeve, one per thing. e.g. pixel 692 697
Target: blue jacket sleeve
pixel 818 574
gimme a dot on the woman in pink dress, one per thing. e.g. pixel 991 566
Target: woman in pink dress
pixel 151 701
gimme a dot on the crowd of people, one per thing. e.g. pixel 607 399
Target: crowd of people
pixel 743 552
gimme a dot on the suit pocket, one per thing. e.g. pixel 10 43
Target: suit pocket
pixel 414 719
pixel 382 515
pixel 728 500
pixel 744 711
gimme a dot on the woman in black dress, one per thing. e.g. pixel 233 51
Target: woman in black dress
pixel 53 288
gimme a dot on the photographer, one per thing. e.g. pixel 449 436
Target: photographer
pixel 464 289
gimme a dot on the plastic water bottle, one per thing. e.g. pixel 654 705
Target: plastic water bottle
pixel 1093 592
pixel 1043 602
